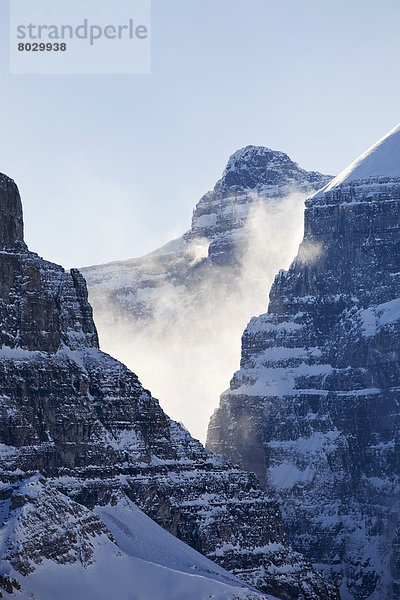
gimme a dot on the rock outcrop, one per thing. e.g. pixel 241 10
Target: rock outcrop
pixel 314 410
pixel 79 433
pixel 184 307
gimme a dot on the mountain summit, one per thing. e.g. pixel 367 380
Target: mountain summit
pixel 253 175
pixel 253 167
pixel 314 409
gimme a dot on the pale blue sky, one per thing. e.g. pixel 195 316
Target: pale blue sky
pixel 111 166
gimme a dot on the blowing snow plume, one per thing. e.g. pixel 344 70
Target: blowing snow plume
pixel 176 316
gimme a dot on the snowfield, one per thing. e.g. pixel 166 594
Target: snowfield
pixel 145 563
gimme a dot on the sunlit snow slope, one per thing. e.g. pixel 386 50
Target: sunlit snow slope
pixel 147 563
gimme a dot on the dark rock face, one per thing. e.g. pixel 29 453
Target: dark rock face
pixel 11 225
pixel 77 430
pixel 314 409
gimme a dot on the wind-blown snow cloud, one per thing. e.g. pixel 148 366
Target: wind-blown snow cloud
pixel 188 347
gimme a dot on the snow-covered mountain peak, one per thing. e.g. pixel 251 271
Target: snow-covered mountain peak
pixel 252 167
pixel 381 160
pixel 252 174
pixel 250 154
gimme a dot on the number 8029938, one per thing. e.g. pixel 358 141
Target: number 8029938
pixel 42 47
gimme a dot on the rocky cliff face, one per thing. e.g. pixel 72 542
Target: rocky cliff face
pixel 191 299
pixel 252 176
pixel 79 435
pixel 314 409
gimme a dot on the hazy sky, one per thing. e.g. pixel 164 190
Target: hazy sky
pixel 110 167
